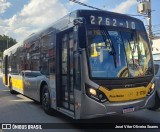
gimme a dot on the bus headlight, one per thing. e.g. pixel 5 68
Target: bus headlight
pixel 92 91
pixel 151 90
pixel 96 94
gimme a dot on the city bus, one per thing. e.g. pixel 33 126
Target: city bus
pixel 88 64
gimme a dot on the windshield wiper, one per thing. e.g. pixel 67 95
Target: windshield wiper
pixel 131 52
pixel 107 37
pixel 136 46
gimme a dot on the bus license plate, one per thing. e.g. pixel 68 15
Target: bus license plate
pixel 127 110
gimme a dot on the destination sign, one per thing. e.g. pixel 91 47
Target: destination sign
pixel 98 20
pixel 111 19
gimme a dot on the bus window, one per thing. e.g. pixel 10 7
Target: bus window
pixel 77 72
pixel 64 55
pixel 46 43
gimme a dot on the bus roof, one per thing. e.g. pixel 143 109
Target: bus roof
pixel 106 12
pixel 13 48
pixel 67 21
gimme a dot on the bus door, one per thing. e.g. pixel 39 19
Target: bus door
pixel 6 69
pixel 65 80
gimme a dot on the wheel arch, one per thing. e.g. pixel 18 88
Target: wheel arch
pixel 43 83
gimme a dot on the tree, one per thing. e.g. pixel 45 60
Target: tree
pixel 1 54
pixel 6 42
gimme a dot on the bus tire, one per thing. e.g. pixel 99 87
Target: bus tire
pixel 46 102
pixel 10 87
pixel 157 103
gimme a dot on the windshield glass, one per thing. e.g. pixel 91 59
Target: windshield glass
pixel 118 54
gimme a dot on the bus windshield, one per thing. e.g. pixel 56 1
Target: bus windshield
pixel 120 54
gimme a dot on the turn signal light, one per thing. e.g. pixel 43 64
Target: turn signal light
pixel 151 90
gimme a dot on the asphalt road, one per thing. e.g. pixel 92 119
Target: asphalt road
pixel 20 109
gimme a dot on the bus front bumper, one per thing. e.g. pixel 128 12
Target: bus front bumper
pixel 92 109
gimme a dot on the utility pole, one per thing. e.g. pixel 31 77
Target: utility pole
pixel 150 22
pixel 144 7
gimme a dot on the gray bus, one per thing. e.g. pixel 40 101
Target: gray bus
pixel 88 64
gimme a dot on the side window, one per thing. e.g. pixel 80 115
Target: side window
pixel 52 55
pixel 35 55
pixel 14 62
pixel 22 58
pixel 45 57
pixel 31 56
pixel 71 49
pixel 27 56
pixel 77 72
pixel 9 64
pixel 64 55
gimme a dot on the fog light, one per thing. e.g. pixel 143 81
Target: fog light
pixel 100 96
pixel 92 91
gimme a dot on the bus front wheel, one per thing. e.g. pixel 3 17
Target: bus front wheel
pixel 46 103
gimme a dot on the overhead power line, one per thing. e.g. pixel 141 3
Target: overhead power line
pixel 158 25
pixel 156 31
pixel 83 4
pixel 89 6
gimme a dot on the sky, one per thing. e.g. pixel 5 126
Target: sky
pixel 20 18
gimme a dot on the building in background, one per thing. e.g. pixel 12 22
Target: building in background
pixel 156 46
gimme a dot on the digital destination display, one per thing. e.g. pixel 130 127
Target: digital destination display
pixel 112 22
pixel 112 19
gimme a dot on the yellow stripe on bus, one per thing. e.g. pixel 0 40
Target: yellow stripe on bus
pixel 17 83
pixel 125 94
pixel 3 79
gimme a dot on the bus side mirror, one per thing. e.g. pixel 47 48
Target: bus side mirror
pixel 79 21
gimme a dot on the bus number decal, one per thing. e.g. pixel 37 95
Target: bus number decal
pixel 99 20
pixel 141 93
pixel 127 24
pixel 114 22
pixel 133 25
pixel 92 19
pixel 107 21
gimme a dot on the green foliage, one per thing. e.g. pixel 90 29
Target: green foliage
pixel 1 54
pixel 6 42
